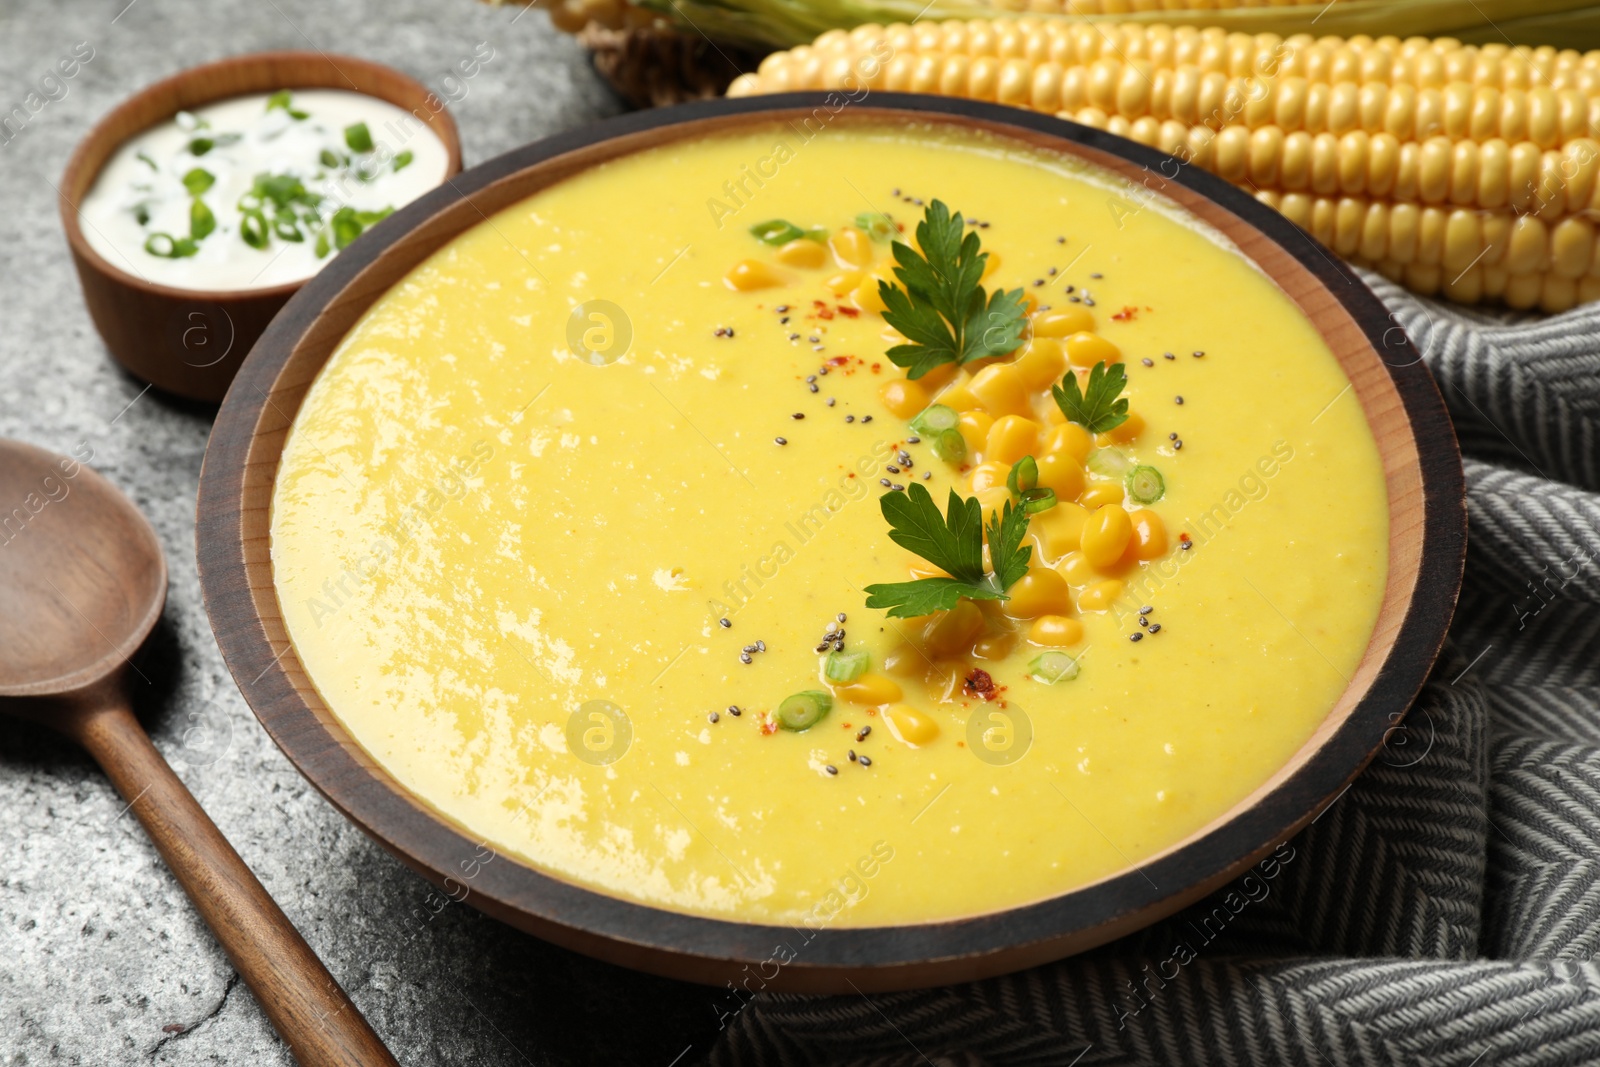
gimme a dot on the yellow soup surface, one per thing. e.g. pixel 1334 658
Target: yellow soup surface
pixel 579 502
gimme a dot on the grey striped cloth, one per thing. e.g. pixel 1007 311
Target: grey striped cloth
pixel 1446 909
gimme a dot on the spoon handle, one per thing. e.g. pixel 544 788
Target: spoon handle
pixel 308 1008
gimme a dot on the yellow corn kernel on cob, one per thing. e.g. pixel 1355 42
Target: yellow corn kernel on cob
pixel 1471 171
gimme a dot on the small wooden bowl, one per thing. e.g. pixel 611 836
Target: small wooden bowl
pixel 192 342
pixel 1427 542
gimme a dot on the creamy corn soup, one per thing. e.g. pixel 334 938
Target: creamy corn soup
pixel 574 532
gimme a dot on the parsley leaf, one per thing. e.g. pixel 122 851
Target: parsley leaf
pixel 1101 406
pixel 943 309
pixel 953 542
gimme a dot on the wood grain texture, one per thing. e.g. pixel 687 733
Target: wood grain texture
pixel 192 342
pixel 1426 550
pixel 85 582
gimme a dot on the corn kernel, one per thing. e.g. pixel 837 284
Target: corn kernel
pixel 1058 530
pixel 911 726
pixel 904 660
pixel 1055 631
pixel 957 395
pixel 1039 592
pixel 1131 427
pixel 851 247
pixel 1070 438
pixel 1149 533
pixel 1001 390
pixel 938 377
pixel 991 265
pixel 1077 570
pixel 949 633
pixel 989 474
pixel 866 296
pixel 1041 363
pixel 802 253
pixel 750 274
pixel 921 568
pixel 1010 438
pixel 1100 595
pixel 992 501
pixel 1060 322
pixel 870 689
pixel 843 282
pixel 1085 349
pixel 974 426
pixel 904 398
pixel 1061 472
pixel 1099 494
pixel 994 646
pixel 1106 534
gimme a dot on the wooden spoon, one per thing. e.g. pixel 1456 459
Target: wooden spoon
pixel 84 582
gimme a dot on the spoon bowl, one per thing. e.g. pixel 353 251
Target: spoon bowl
pixel 84 582
pixel 83 572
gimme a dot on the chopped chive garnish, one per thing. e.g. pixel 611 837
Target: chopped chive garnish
pixel 198 180
pixel 199 146
pixel 1146 485
pixel 201 220
pixel 278 99
pixel 1049 668
pixel 1108 463
pixel 776 232
pixel 358 137
pixel 144 157
pixel 330 160
pixel 950 446
pixel 1023 477
pixel 403 160
pixel 804 710
pixel 168 247
pixel 841 667
pixel 253 229
pixel 1037 500
pixel 935 419
pixel 877 225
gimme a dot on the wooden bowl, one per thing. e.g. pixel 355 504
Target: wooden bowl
pixel 192 342
pixel 1427 543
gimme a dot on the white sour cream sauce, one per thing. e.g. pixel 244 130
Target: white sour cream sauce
pixel 270 141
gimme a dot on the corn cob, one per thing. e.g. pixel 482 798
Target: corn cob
pixel 1472 171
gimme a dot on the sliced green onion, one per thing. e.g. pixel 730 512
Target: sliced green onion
pixel 776 232
pixel 877 225
pixel 935 419
pixel 816 233
pixel 330 159
pixel 199 146
pixel 1146 485
pixel 358 137
pixel 804 710
pixel 346 227
pixel 169 247
pixel 841 667
pixel 1108 463
pixel 144 157
pixel 278 99
pixel 1023 477
pixel 950 446
pixel 1037 500
pixel 403 160
pixel 372 218
pixel 201 220
pixel 1048 668
pixel 198 180
pixel 285 225
pixel 141 213
pixel 323 245
pixel 253 228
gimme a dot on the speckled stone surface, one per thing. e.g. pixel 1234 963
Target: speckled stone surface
pixel 102 961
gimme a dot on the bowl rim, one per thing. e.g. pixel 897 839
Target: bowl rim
pixel 95 148
pixel 832 959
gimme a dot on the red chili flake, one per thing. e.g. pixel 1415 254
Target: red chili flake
pixel 837 361
pixel 824 313
pixel 980 683
pixel 1127 314
pixel 769 725
pixel 847 312
pixel 1183 537
pixel 876 367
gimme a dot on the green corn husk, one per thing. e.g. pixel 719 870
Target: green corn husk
pixel 786 23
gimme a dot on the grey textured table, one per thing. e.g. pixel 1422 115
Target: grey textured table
pixel 102 961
